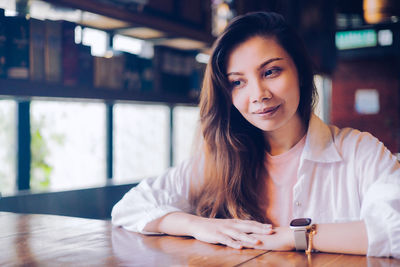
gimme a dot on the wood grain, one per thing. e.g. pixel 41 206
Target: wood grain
pixel 174 251
pixel 50 240
pixel 299 259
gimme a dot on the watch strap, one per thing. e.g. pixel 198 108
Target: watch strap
pixel 300 239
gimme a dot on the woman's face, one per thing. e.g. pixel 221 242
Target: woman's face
pixel 264 84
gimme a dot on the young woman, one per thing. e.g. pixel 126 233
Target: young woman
pixel 267 161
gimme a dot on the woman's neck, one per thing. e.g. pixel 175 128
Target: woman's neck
pixel 284 138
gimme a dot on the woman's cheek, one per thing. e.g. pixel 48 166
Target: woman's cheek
pixel 239 100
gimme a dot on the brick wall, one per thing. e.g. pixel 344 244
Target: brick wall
pixel 380 74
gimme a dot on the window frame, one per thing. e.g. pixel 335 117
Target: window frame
pixel 23 140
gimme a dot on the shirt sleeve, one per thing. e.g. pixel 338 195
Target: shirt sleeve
pixel 380 196
pixel 156 197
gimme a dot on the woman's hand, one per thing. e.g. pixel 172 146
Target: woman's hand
pixel 282 239
pixel 233 233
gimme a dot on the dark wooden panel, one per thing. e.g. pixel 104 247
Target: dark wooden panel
pixel 25 88
pixel 93 203
pixel 164 6
pixel 194 11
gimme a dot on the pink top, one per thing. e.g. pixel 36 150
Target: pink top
pixel 282 176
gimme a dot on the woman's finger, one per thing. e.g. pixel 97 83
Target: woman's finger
pixel 241 236
pixel 248 226
pixel 228 241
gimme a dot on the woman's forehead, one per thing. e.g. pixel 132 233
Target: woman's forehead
pixel 254 51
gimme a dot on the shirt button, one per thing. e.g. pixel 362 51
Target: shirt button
pixel 298 204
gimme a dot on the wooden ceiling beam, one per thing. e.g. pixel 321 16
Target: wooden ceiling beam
pixel 137 18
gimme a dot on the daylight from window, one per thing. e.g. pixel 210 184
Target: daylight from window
pixel 8 148
pixel 68 145
pixel 186 130
pixel 141 141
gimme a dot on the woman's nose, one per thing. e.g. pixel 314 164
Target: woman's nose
pixel 260 92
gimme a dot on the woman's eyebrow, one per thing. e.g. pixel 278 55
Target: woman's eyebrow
pixel 262 65
pixel 234 73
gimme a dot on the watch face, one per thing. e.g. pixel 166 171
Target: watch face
pixel 300 222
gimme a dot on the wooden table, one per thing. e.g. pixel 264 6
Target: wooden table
pixel 49 240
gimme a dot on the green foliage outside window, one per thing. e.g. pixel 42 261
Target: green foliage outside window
pixel 7 142
pixel 41 169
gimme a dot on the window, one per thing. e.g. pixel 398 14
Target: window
pixel 143 49
pixel 97 39
pixel 127 44
pixel 7 144
pixel 186 128
pixel 8 6
pixel 141 141
pixel 68 145
pixel 323 85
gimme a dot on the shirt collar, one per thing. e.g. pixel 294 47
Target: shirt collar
pixel 320 146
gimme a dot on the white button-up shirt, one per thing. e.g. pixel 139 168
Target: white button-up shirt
pixel 344 175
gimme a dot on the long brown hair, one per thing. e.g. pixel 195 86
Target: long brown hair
pixel 234 148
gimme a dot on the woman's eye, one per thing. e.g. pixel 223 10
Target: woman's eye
pixel 272 72
pixel 268 73
pixel 236 83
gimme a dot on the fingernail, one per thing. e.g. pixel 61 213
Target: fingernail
pixel 267 227
pixel 268 230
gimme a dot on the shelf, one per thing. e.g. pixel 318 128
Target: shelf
pixel 173 23
pixel 11 88
pixel 182 29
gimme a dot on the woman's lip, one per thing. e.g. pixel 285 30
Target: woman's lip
pixel 267 110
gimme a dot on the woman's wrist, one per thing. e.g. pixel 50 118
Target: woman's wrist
pixel 174 223
pixel 289 237
pixel 192 222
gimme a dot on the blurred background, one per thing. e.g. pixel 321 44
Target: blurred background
pixel 96 95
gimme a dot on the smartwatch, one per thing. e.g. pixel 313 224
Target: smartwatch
pixel 300 230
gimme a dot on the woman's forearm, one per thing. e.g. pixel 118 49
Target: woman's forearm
pixel 350 237
pixel 174 223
